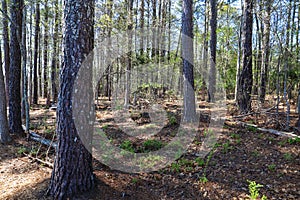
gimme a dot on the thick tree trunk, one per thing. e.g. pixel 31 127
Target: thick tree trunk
pixel 15 121
pixel 189 112
pixel 6 47
pixel 213 51
pixel 4 129
pixel 246 80
pixel 72 171
pixel 36 50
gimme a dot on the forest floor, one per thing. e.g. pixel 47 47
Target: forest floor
pixel 242 154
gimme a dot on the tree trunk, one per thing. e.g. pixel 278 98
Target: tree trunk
pixel 4 129
pixel 15 120
pixel 46 38
pixel 36 50
pixel 54 55
pixel 238 64
pixel 266 50
pixel 129 53
pixel 213 51
pixel 72 171
pixel 25 103
pixel 6 47
pixel 189 112
pixel 246 80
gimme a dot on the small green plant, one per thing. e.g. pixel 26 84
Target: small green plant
pixel 226 147
pixel 252 129
pixel 235 136
pixel 288 156
pixel 203 179
pixel 175 167
pixel 200 162
pixel 272 167
pixel 172 120
pixel 134 180
pixel 254 190
pixel 152 145
pixel 127 145
pixel 105 127
pixel 22 150
pixel 255 153
pixel 294 140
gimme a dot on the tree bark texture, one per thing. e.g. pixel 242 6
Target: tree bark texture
pixel 72 171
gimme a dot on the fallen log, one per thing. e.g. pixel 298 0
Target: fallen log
pixel 272 131
pixel 35 137
pixel 42 140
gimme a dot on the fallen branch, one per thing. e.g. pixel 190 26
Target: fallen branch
pixel 39 160
pixel 34 136
pixel 272 131
pixel 42 140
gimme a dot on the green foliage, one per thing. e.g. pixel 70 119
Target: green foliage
pixel 288 156
pixel 127 145
pixel 200 162
pixel 294 140
pixel 152 145
pixel 172 120
pixel 272 167
pixel 226 147
pixel 105 127
pixel 252 129
pixel 175 167
pixel 254 190
pixel 22 150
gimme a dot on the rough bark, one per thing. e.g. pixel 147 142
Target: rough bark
pixel 72 171
pixel 54 55
pixel 36 50
pixel 213 51
pixel 189 111
pixel 15 121
pixel 246 80
pixel 4 129
pixel 266 50
pixel 46 38
pixel 6 46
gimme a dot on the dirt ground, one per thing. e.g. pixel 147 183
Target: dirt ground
pixel 242 154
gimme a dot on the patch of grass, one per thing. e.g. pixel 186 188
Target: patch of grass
pixel 255 153
pixel 22 150
pixel 105 127
pixel 272 167
pixel 226 147
pixel 252 129
pixel 294 140
pixel 200 162
pixel 203 179
pixel 288 156
pixel 127 145
pixel 175 167
pixel 152 145
pixel 134 180
pixel 254 190
pixel 172 120
pixel 235 136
